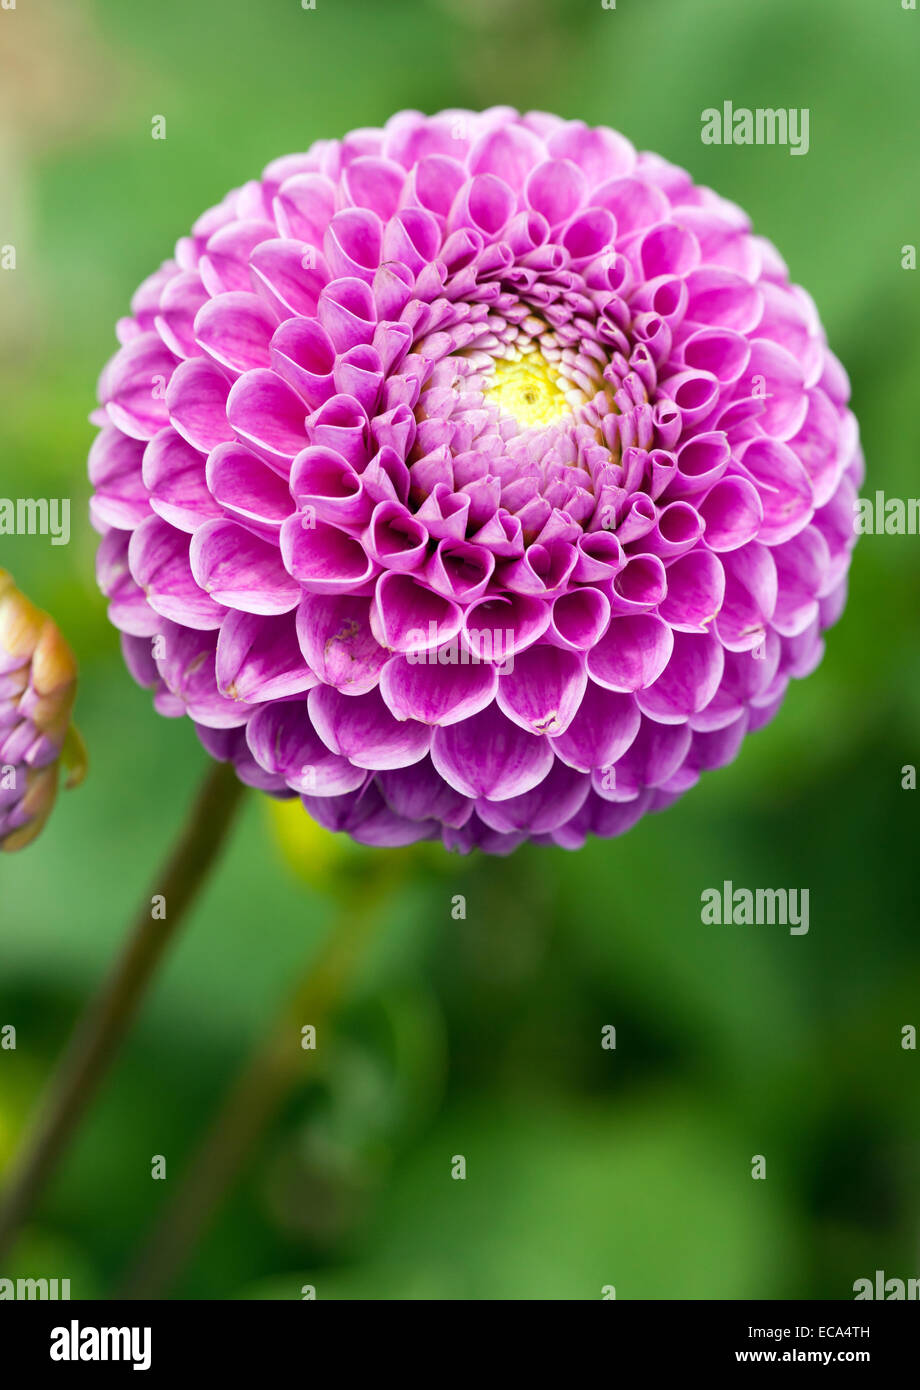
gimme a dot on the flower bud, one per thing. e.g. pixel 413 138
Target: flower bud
pixel 38 683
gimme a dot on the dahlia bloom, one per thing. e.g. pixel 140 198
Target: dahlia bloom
pixel 474 478
pixel 38 683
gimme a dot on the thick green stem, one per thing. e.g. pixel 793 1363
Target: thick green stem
pixel 96 1039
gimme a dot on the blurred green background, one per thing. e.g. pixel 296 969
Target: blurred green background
pixel 480 1037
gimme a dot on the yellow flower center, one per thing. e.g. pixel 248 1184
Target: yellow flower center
pixel 528 389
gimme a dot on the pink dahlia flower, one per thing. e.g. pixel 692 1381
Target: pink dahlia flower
pixel 474 478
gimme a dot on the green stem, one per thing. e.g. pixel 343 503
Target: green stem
pixel 98 1033
pixel 277 1065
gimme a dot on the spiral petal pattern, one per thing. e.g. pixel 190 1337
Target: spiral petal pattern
pixel 476 478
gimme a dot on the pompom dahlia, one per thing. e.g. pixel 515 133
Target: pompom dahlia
pixel 38 684
pixel 475 477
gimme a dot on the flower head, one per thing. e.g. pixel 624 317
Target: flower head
pixel 38 683
pixel 476 477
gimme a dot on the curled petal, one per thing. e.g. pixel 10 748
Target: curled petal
pixel 158 556
pixel 460 570
pixel 265 412
pixel 668 249
pixel 324 558
pixel 259 658
pixel 640 586
pixel 801 564
pixel 180 301
pixel 653 757
pixel 600 732
pixel 723 299
pixel 235 330
pixel 240 570
pixel 347 312
pixel 225 264
pixel 115 469
pixel 689 680
pixel 701 462
pixel 731 513
pixel 197 403
pixel 441 689
pixel 484 203
pixel 632 653
pixel 134 384
pixel 304 205
pixel 418 793
pixel 784 487
pixel 558 798
pixel 497 628
pixel 375 184
pixel 185 661
pixel 247 488
pixel 394 538
pixel 326 486
pixel 174 471
pixel 489 756
pixel 341 424
pixel 283 741
pixel 579 619
pixel 304 355
pixel 286 274
pixel 721 352
pixel 750 597
pixel 696 588
pixel 543 688
pixel 352 243
pixel 406 616
pixel 362 729
pixel 508 152
pixel 335 637
pixel 556 188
